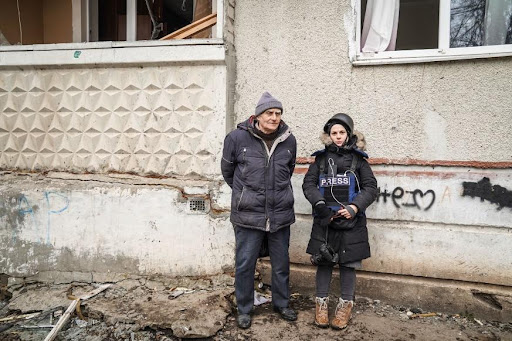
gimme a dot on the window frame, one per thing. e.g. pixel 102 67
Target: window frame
pixel 120 52
pixel 443 52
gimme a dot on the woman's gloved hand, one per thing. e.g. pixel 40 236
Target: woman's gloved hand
pixel 324 213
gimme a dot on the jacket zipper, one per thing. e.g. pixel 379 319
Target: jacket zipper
pixel 267 162
pixel 243 158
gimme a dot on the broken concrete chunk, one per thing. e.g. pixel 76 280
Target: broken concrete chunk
pixel 42 297
pixel 196 314
pixel 129 284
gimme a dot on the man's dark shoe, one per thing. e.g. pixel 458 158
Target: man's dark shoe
pixel 243 321
pixel 286 313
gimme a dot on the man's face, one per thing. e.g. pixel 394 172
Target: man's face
pixel 269 120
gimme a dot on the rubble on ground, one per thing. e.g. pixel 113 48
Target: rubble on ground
pixel 163 309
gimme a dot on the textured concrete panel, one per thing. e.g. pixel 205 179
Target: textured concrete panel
pixel 151 120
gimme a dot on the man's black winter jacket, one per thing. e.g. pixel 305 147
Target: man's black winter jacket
pixel 262 196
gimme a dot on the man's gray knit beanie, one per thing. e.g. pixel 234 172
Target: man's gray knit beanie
pixel 267 102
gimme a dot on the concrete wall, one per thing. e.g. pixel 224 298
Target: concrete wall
pixel 70 137
pixel 438 134
pixel 95 227
pixel 299 51
pixel 427 224
pixel 108 170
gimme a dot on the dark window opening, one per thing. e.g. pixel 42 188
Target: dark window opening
pixel 170 15
pixel 418 24
pixel 27 22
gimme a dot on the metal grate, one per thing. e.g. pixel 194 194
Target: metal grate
pixel 197 205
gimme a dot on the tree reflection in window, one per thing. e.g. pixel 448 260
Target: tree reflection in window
pixel 480 22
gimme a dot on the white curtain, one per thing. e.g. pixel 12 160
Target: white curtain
pixel 380 25
pixel 497 21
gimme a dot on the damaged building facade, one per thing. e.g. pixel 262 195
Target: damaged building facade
pixel 110 150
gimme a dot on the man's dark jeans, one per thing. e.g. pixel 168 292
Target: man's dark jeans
pixel 248 242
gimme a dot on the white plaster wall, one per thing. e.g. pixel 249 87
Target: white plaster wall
pixel 298 50
pixel 454 111
pixel 109 225
pixel 458 237
pixel 436 195
pixel 466 253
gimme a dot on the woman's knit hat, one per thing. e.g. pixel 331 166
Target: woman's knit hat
pixel 267 102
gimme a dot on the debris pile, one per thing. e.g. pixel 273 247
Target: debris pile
pixel 165 309
pixel 128 308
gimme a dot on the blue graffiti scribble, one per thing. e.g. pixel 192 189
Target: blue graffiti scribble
pixel 50 211
pixel 24 208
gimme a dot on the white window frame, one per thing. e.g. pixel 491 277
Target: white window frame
pixel 117 52
pixel 443 52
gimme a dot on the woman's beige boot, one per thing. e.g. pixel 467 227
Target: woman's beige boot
pixel 343 314
pixel 322 312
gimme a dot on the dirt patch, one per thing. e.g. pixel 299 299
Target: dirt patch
pixel 141 309
pixel 372 320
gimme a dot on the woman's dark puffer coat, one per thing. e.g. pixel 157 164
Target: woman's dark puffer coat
pixel 262 195
pixel 351 244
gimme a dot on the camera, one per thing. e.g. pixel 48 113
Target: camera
pixel 326 255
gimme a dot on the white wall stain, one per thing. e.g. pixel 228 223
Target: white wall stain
pixel 434 127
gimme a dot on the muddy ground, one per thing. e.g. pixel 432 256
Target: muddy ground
pixel 139 308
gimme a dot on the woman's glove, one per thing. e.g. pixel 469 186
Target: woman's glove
pixel 324 213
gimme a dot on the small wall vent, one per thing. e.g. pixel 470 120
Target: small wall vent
pixel 197 205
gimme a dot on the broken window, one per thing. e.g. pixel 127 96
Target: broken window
pixel 26 22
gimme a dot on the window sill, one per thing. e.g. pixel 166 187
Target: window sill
pixel 117 52
pixel 426 56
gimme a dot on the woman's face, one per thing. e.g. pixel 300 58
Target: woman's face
pixel 338 134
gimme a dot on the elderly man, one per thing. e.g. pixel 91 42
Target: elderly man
pixel 257 163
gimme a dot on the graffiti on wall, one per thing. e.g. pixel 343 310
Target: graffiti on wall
pixel 448 196
pixel 421 200
pixel 484 190
pixel 52 203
